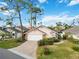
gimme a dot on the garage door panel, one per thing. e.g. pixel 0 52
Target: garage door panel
pixel 34 37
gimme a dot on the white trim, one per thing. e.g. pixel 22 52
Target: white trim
pixel 20 54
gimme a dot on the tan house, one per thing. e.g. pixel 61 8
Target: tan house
pixel 39 33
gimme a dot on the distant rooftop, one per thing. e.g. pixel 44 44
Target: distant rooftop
pixel 73 30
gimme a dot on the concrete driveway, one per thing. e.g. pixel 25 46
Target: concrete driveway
pixel 26 50
pixel 5 54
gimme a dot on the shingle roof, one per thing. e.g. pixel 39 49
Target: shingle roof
pixel 4 30
pixel 46 27
pixel 35 29
pixel 19 28
pixel 74 30
pixel 14 29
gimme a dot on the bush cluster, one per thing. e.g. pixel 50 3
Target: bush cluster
pixel 76 48
pixel 48 41
pixel 46 51
pixel 56 39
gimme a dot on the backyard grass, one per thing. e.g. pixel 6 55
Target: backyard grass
pixel 6 44
pixel 59 51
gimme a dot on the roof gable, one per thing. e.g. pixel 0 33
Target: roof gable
pixel 35 29
pixel 45 28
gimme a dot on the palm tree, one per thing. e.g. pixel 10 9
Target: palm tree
pixel 34 12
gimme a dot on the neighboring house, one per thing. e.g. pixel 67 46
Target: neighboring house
pixel 16 31
pixel 39 33
pixel 4 30
pixel 24 28
pixel 74 32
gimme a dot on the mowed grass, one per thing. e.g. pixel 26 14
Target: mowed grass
pixel 59 51
pixel 6 44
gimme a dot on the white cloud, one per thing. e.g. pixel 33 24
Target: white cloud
pixel 3 3
pixel 42 1
pixel 61 1
pixel 69 2
pixel 12 11
pixel 7 13
pixel 51 20
pixel 73 2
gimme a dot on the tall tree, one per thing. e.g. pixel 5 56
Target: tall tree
pixel 18 6
pixel 34 13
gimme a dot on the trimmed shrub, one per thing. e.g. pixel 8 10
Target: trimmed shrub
pixel 20 40
pixel 56 40
pixel 41 43
pixel 46 50
pixel 46 41
pixel 76 42
pixel 76 48
pixel 50 41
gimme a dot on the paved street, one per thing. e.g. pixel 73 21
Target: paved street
pixel 5 54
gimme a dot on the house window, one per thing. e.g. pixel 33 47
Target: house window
pixel 13 34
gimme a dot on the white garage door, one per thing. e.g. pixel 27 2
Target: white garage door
pixel 34 37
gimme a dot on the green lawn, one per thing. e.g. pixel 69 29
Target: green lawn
pixel 9 43
pixel 59 51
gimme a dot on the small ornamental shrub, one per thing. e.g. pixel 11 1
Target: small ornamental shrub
pixel 20 40
pixel 76 48
pixel 41 43
pixel 56 40
pixel 46 50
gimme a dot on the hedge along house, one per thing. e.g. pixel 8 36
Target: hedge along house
pixel 74 32
pixel 36 34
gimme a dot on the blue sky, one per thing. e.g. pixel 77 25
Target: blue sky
pixel 54 11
